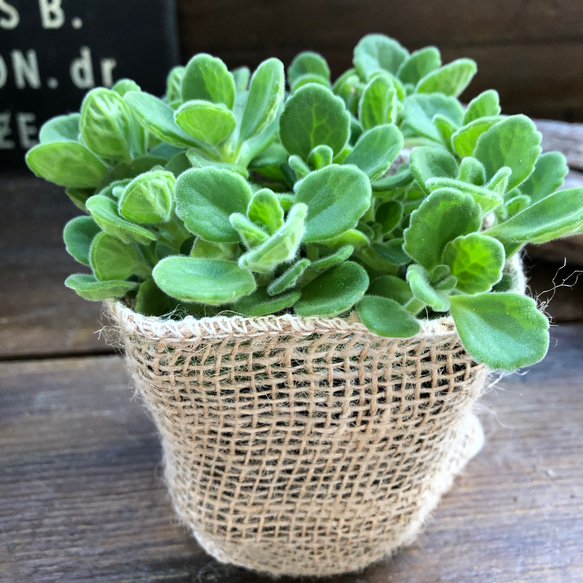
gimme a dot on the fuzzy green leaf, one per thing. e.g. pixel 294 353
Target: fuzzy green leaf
pixel 337 196
pixel 502 330
pixel 148 198
pixel 66 164
pixel 549 175
pixel 266 209
pixel 208 250
pixel 465 139
pixel 108 126
pixel 557 215
pixel 265 94
pixel 174 84
pixel 389 215
pixel 378 103
pixel 211 123
pixel 106 215
pixel 241 75
pixel 78 234
pixel 487 199
pixel 386 317
pixel 333 292
pixel 353 237
pixel 450 79
pixel 476 261
pixel 419 64
pixel 250 233
pixel 376 150
pixel 207 197
pixel 513 142
pixel 321 156
pixel 487 104
pixel 90 288
pixel 443 216
pixel 158 118
pixel 197 159
pixel 208 78
pixel 288 278
pixel 420 109
pixel 261 303
pixel 113 260
pixel 428 162
pixel 63 128
pixel 424 291
pixel 377 52
pixel 206 281
pixel 280 247
pixel 314 116
pixel 308 63
pixel 391 286
pixel 333 259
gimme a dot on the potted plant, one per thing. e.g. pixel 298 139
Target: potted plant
pixel 311 286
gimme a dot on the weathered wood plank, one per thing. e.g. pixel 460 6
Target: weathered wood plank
pixel 531 52
pixel 38 315
pixel 564 137
pixel 81 498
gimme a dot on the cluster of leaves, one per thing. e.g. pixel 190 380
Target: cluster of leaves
pixel 232 194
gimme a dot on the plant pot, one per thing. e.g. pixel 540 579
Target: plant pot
pixel 304 446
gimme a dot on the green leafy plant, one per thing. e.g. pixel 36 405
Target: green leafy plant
pixel 231 194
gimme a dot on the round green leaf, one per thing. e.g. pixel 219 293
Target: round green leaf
pixel 206 281
pixel 333 292
pixel 314 116
pixel 208 78
pixel 265 94
pixel 107 125
pixel 451 79
pixel 424 291
pixel 66 164
pixel 63 128
pixel 377 52
pixel 78 234
pixel 386 317
pixel 378 103
pixel 476 261
pixel 207 197
pixel 148 198
pixel 513 142
pixel 90 288
pixel 337 196
pixel 333 259
pixel 391 286
pixel 260 303
pixel 502 330
pixel 376 150
pixel 441 217
pixel 308 63
pixel 106 215
pixel 487 104
pixel 113 260
pixel 209 122
pixel 419 64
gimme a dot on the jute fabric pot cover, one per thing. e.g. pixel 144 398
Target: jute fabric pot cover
pixel 304 446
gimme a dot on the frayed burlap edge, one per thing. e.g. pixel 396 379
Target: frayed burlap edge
pixel 243 404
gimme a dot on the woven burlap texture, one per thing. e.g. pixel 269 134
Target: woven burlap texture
pixel 304 446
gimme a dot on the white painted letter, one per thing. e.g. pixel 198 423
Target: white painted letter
pixel 107 67
pixel 25 69
pixel 5 143
pixel 82 70
pixel 26 130
pixel 51 13
pixel 11 18
pixel 3 72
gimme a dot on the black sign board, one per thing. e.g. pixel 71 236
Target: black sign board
pixel 53 51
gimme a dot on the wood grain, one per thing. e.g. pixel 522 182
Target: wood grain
pixel 38 315
pixel 564 137
pixel 530 51
pixel 81 498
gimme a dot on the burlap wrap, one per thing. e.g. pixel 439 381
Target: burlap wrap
pixel 304 446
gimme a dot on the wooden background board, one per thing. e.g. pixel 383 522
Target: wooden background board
pixel 530 51
pixel 81 497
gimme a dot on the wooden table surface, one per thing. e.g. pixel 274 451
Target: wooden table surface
pixel 81 496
